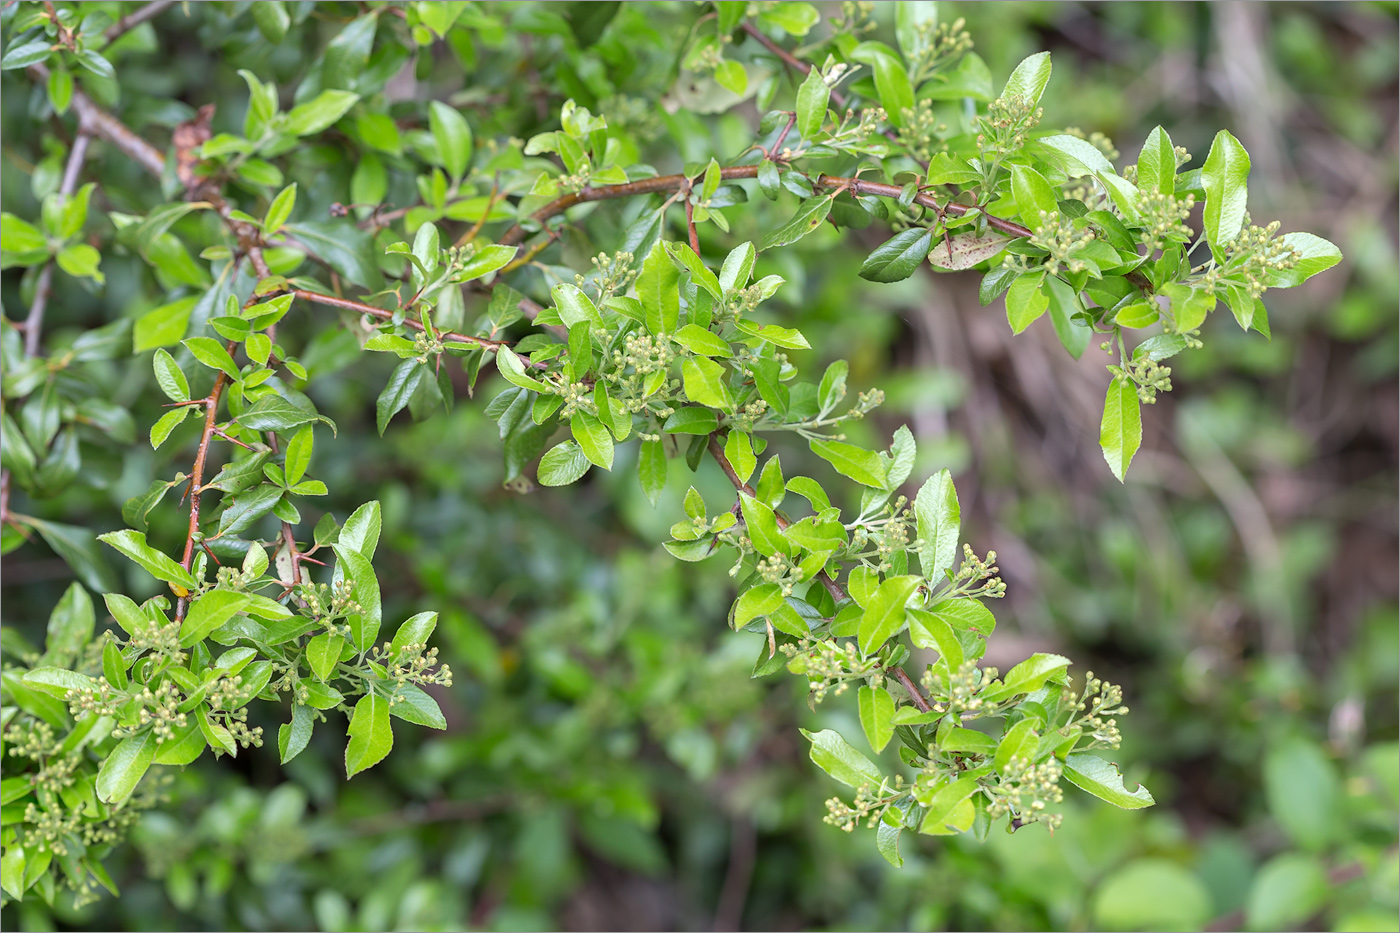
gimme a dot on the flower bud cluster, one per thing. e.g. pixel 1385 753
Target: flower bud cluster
pixel 828 664
pixel 922 133
pixel 856 17
pixel 1163 218
pixel 326 603
pixel 1026 790
pixel 1104 702
pixel 974 571
pixel 412 664
pixel 1058 236
pixel 1151 377
pixel 614 275
pixel 1252 256
pixel 869 805
pixel 960 694
pixel 1007 123
pixel 938 45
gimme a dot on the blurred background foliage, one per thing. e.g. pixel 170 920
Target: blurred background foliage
pixel 609 763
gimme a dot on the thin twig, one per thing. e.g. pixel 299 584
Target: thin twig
pixel 136 18
pixel 792 61
pixel 838 593
pixel 385 314
pixel 103 125
pixel 34 323
pixel 855 186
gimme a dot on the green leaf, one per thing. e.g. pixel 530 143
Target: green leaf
pixel 280 209
pixel 78 548
pixel 1154 894
pixel 1029 79
pixel 898 257
pixel 1064 305
pixel 453 136
pixel 863 466
pixel 1025 301
pixel 133 545
pixel 704 382
pixel 949 811
pixel 759 601
pixel 298 456
pixel 1101 778
pixel 738 267
pixel 893 87
pixel 412 704
pixel 293 737
pixel 1076 156
pixel 691 419
pixel 212 354
pixel 125 766
pixel 166 423
pixel 929 630
pixel 1156 164
pixel 272 21
pixel 371 735
pixel 399 391
pixel 208 613
pixel 30 53
pixel 323 654
pixel 1120 433
pixel 12 864
pixel 488 259
pixel 1033 195
pixel 563 464
pixel 651 470
pixel 320 112
pixel 170 377
pixel 1305 793
pixel 761 525
pixel 876 710
pixel 698 340
pixel 1316 255
pixel 57 681
pixel 593 439
pixel 361 530
pixel 732 76
pixel 70 626
pixel 884 616
pixel 1225 177
pixel 415 630
pixel 163 326
pixel 274 413
pixel 812 98
pixel 738 450
pixel 700 275
pixel 348 249
pixel 838 758
pixel 658 289
pixel 808 218
pixel 1288 890
pixel 575 307
pixel 1026 677
pixel 939 521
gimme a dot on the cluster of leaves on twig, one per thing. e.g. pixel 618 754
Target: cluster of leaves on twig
pixel 662 339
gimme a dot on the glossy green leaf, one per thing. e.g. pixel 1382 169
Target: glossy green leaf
pixel 132 544
pixel 863 466
pixel 705 382
pixel 453 137
pixel 563 464
pixel 1225 177
pixel 1101 778
pixel 320 112
pixel 898 257
pixel 812 97
pixel 876 709
pixel 1029 79
pixel 939 520
pixel 1120 432
pixel 838 758
pixel 371 735
pixel 1156 164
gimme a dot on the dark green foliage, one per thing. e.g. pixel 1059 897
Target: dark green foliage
pixel 384 211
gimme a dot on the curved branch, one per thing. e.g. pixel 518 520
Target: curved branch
pixel 103 125
pixel 676 182
pixel 135 18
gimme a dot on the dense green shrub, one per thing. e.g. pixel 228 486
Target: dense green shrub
pixel 494 256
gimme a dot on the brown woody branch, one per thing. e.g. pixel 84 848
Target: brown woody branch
pixel 855 186
pixel 34 323
pixel 385 314
pixel 838 593
pixel 103 125
pixel 130 21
